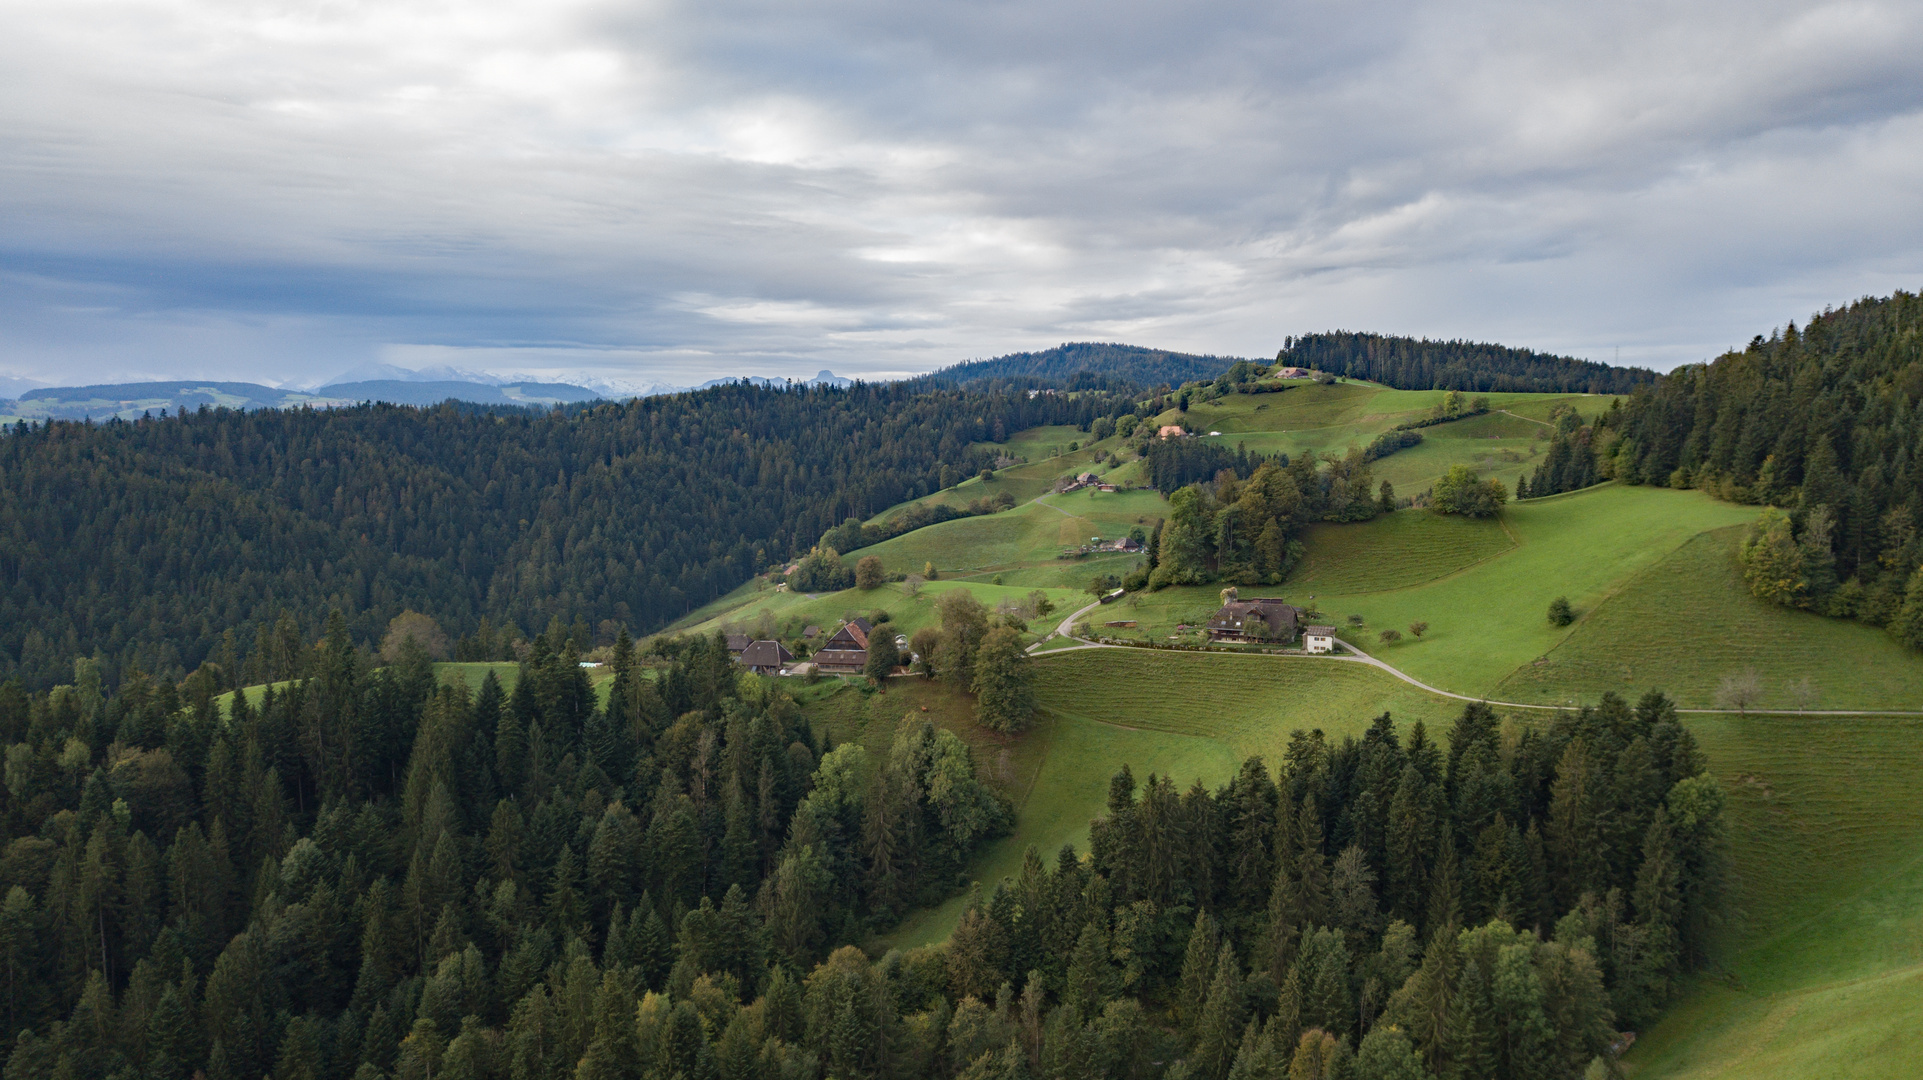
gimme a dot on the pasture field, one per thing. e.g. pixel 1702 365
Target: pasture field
pixel 1824 958
pixel 768 613
pixel 1487 616
pixel 1688 620
pixel 1331 419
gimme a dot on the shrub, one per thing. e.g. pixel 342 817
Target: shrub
pixel 1417 629
pixel 1390 636
pixel 1560 613
pixel 1356 620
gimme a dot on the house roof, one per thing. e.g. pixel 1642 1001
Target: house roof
pixel 738 642
pixel 1278 613
pixel 1170 431
pixel 1319 631
pixel 853 633
pixel 766 654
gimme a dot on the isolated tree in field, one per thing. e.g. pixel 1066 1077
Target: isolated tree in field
pixel 1560 613
pixel 882 655
pixel 911 585
pixel 869 573
pixel 1004 688
pixel 1102 585
pixel 422 629
pixel 1390 636
pixel 1740 690
pixel 988 476
pixel 1802 692
pixel 1356 620
pixel 1417 629
pixel 929 573
pixel 1462 491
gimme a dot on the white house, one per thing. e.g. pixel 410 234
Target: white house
pixel 1318 639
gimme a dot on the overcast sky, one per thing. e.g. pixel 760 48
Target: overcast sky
pixel 655 190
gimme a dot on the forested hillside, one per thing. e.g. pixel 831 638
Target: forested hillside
pixel 1147 368
pixel 1421 364
pixel 145 542
pixel 364 874
pixel 1823 422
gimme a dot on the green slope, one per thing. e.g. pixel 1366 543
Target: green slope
pixel 1825 958
pixel 1687 621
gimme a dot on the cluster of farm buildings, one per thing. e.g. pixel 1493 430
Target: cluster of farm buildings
pixel 844 653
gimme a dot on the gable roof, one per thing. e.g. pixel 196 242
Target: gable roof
pixel 1319 631
pixel 766 654
pixel 853 634
pixel 738 642
pixel 1236 614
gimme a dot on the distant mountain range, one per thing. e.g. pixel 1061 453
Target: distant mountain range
pixel 129 401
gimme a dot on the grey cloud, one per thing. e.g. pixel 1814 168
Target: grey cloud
pixel 661 190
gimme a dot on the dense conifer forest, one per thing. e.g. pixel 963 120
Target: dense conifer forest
pixel 1145 367
pixel 1421 364
pixel 364 874
pixel 161 543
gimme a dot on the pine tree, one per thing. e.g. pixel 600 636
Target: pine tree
pixel 1218 1031
pixel 1198 970
pixel 1473 1035
pixel 1311 874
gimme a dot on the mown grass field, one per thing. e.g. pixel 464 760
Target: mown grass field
pixel 1688 620
pixel 1824 958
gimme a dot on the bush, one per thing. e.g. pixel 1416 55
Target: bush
pixel 1462 491
pixel 1560 613
pixel 1417 629
pixel 1390 636
pixel 1356 620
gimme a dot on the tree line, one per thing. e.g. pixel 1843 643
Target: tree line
pixel 1470 366
pixel 1820 424
pixel 142 543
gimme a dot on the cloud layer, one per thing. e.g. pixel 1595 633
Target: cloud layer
pixel 662 190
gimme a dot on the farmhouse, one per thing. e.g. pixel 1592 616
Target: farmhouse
pixel 766 657
pixel 1318 639
pixel 1292 373
pixel 847 652
pixel 1260 619
pixel 1170 431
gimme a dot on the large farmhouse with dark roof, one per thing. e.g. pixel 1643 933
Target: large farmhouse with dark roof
pixel 846 652
pixel 1259 619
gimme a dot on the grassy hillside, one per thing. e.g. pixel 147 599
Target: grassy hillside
pixel 1485 604
pixel 1687 621
pixel 1331 419
pixel 1825 960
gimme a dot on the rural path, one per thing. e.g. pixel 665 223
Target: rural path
pixel 1066 629
pixel 1531 419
